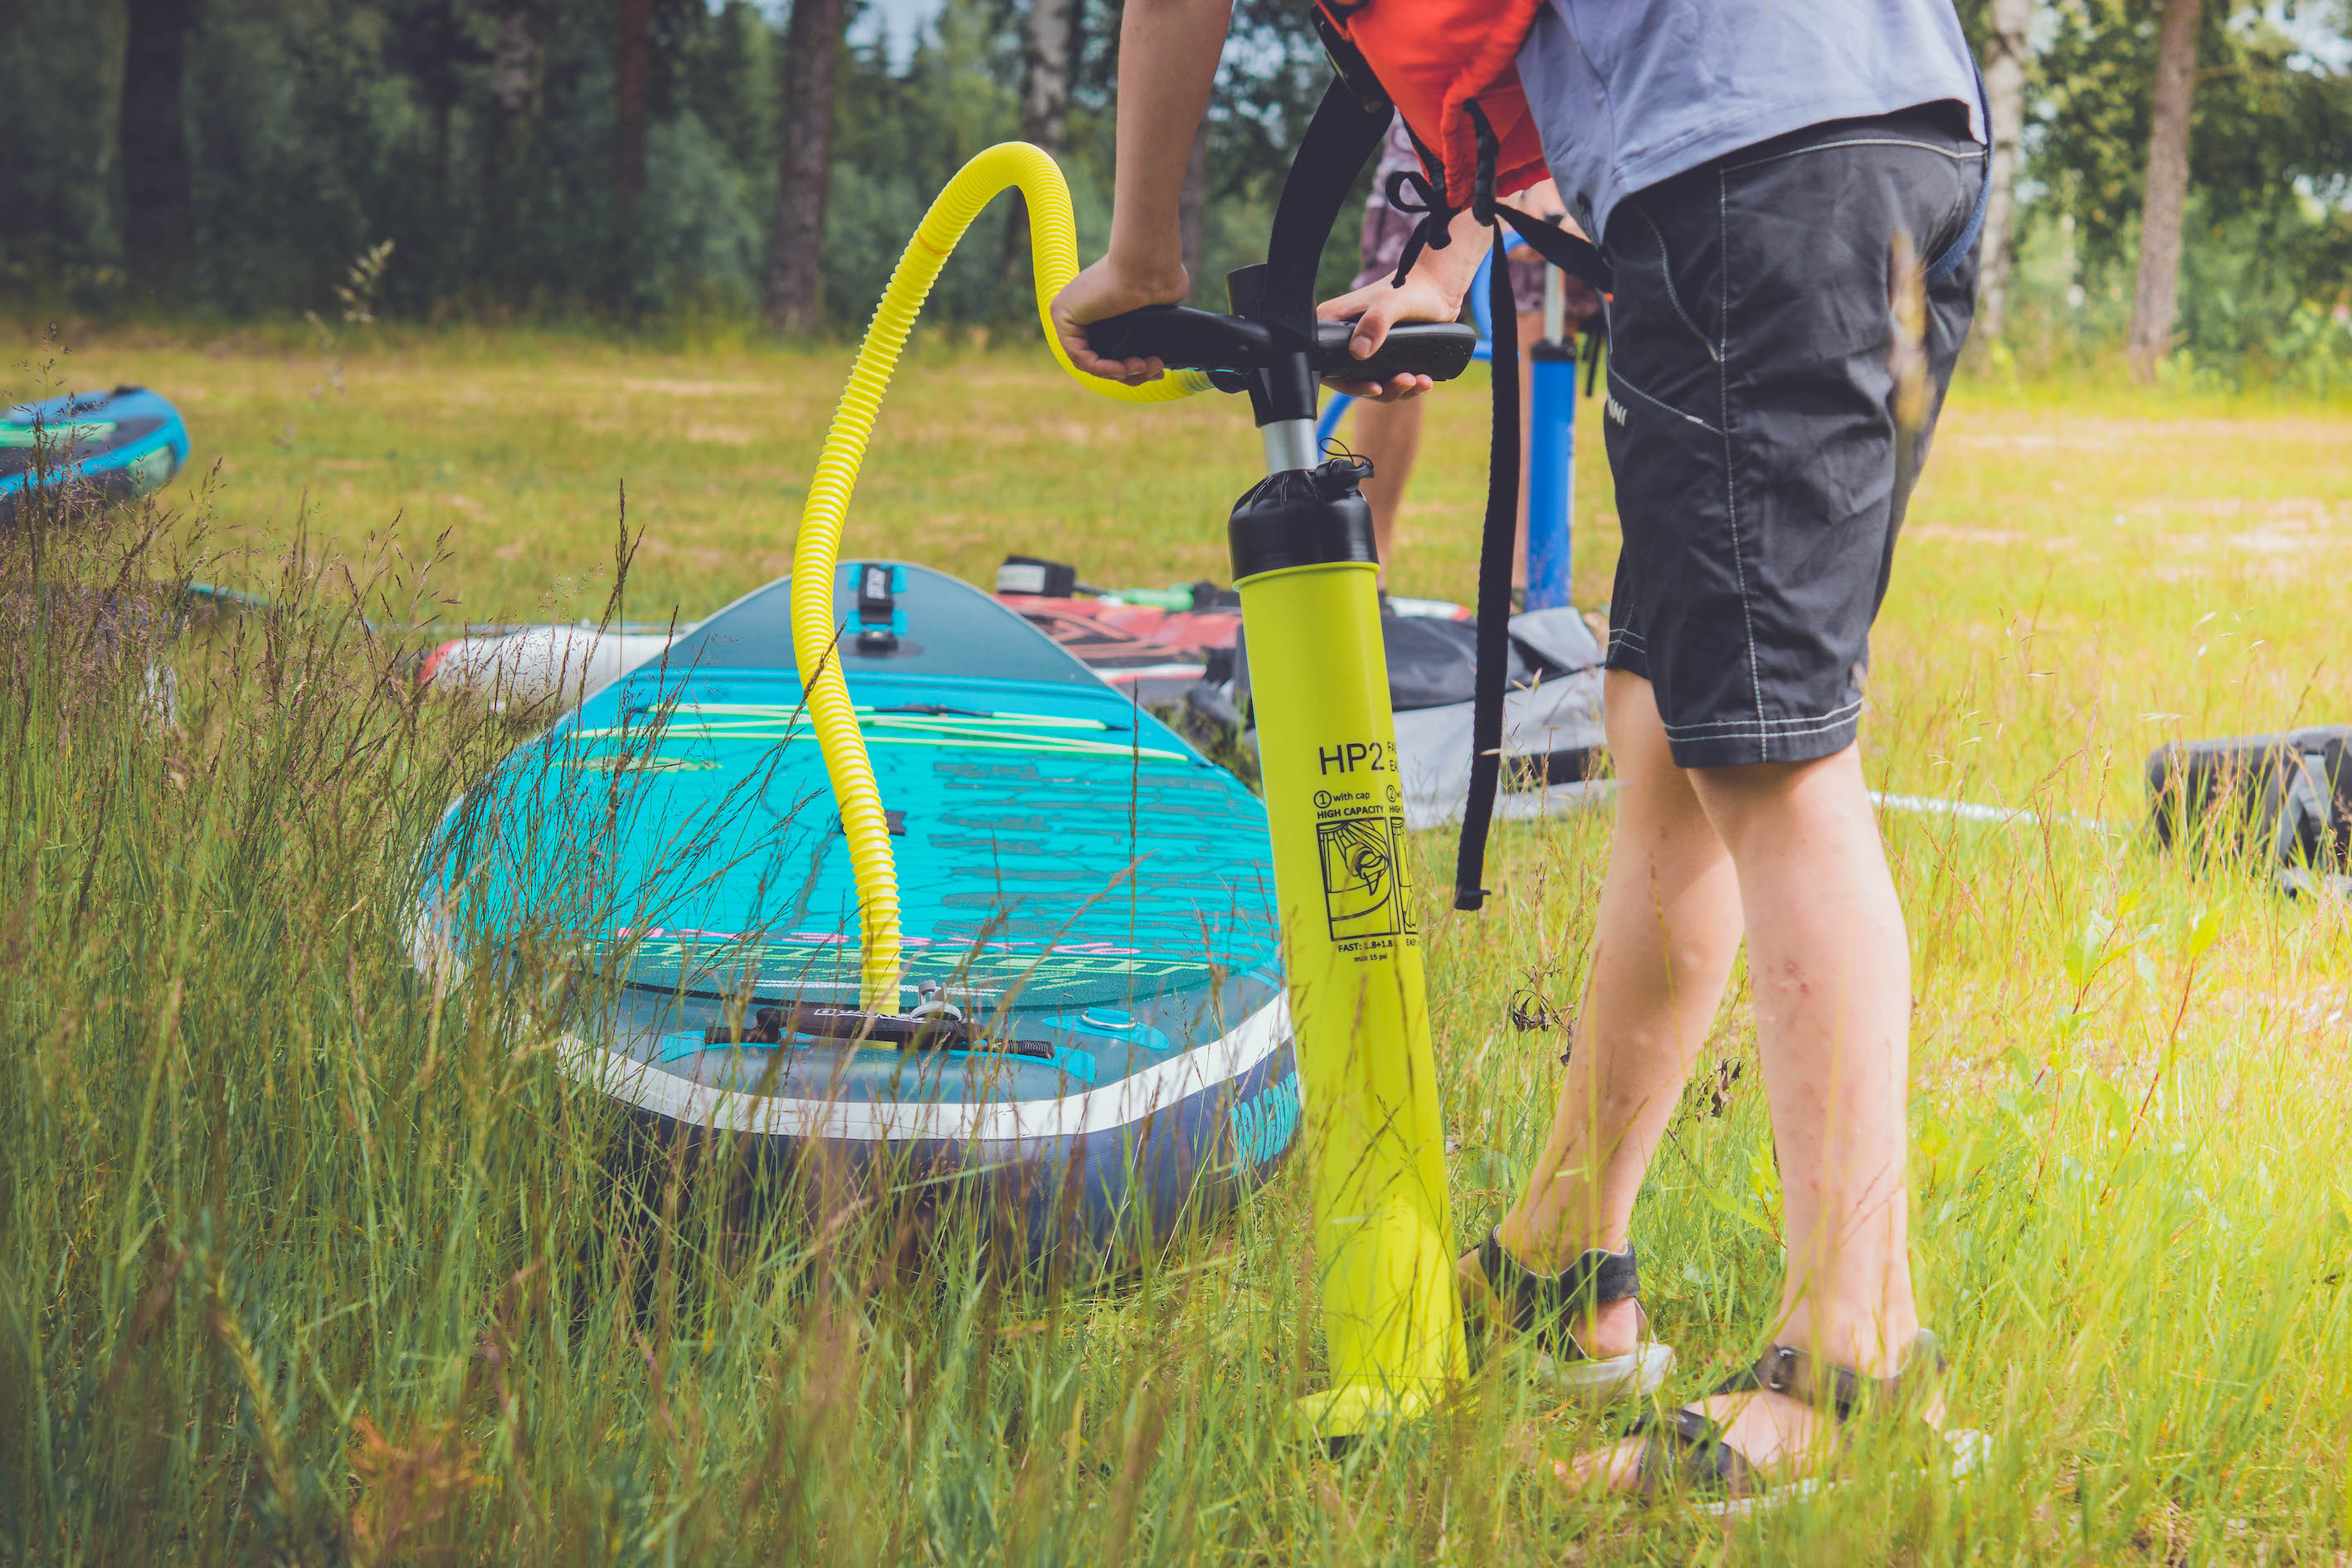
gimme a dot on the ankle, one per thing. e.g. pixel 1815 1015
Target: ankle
pixel 1603 1331
pixel 1614 1330
pixel 1876 1345
pixel 1547 1250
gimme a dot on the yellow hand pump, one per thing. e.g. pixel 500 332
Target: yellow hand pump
pixel 1303 561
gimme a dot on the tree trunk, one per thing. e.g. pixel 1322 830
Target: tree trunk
pixel 795 271
pixel 1190 197
pixel 159 216
pixel 2006 54
pixel 515 75
pixel 632 71
pixel 2167 189
pixel 444 114
pixel 1044 110
pixel 1046 74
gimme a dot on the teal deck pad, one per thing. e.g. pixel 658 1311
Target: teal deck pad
pixel 1069 869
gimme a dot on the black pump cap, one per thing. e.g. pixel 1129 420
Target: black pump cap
pixel 1303 517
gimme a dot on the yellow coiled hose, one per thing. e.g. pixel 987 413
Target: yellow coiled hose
pixel 816 556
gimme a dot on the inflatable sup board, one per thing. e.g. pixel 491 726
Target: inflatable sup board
pixel 120 444
pixel 1089 893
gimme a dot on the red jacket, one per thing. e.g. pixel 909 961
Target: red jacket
pixel 1435 59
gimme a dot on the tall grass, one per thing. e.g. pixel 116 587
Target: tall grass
pixel 307 1256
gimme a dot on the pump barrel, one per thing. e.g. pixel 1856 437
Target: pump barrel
pixel 1375 1132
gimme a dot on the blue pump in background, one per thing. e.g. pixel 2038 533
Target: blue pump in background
pixel 1552 438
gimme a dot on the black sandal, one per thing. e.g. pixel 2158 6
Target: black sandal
pixel 1686 1450
pixel 1541 1306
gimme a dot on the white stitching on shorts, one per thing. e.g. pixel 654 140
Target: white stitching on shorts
pixel 1975 154
pixel 1618 378
pixel 1767 736
pixel 1800 725
pixel 1730 479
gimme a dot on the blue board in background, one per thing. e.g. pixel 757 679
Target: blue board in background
pixel 1069 868
pixel 120 444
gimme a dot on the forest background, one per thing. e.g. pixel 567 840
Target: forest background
pixel 644 165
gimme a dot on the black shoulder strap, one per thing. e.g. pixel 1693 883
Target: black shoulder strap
pixel 1579 259
pixel 1495 549
pixel 1339 141
pixel 1576 257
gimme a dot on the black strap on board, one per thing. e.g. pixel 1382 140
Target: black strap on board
pixel 1577 256
pixel 1495 549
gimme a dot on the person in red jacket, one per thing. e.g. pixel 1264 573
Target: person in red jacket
pixel 1756 177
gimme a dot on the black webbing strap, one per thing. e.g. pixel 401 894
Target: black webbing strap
pixel 1339 141
pixel 1493 587
pixel 1576 257
pixel 1579 259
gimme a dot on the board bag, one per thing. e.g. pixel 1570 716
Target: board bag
pixel 2284 801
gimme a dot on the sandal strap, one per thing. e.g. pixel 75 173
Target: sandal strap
pixel 1839 1391
pixel 1595 1280
pixel 1685 1448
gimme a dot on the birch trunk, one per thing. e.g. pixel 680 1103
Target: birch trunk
pixel 1045 75
pixel 515 74
pixel 1191 199
pixel 2006 55
pixel 2157 296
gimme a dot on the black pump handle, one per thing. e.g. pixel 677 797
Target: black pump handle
pixel 1184 338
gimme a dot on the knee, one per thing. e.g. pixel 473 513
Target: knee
pixel 1773 797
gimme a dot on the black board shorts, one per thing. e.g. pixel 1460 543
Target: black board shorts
pixel 1750 421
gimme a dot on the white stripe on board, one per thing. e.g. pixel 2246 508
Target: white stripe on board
pixel 1157 1089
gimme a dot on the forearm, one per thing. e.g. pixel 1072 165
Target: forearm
pixel 1167 52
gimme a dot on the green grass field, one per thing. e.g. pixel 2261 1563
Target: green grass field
pixel 304 1259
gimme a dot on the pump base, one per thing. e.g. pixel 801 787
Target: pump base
pixel 1339 1415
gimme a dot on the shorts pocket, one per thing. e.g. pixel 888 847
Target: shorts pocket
pixel 1662 350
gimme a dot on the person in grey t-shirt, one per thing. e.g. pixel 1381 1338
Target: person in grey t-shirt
pixel 1789 195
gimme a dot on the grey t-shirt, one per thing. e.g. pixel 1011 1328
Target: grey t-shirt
pixel 1629 92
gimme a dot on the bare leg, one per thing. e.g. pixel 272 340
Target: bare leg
pixel 1832 972
pixel 1389 435
pixel 1668 931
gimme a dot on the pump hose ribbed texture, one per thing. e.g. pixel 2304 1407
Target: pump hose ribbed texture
pixel 816 555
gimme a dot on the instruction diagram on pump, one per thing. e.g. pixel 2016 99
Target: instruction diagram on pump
pixel 1360 841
